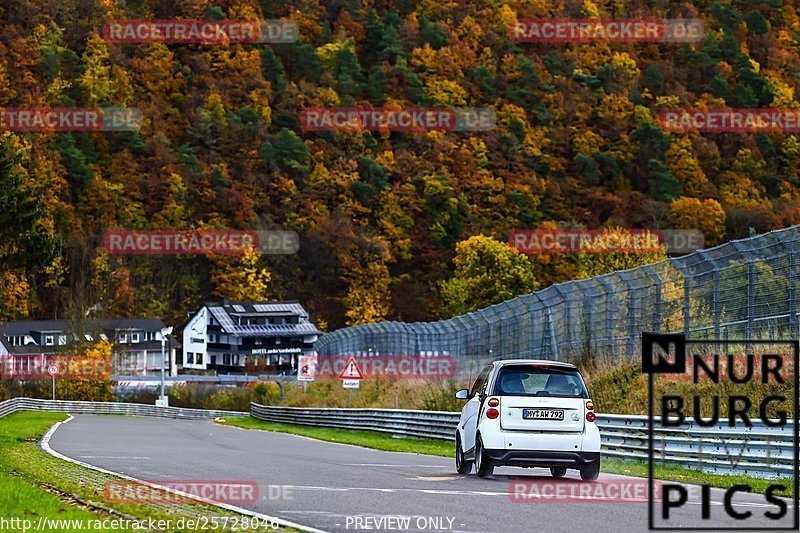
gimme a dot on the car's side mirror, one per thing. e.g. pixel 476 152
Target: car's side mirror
pixel 462 394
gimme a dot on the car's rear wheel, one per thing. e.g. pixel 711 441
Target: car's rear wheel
pixel 558 471
pixel 462 465
pixel 484 466
pixel 591 471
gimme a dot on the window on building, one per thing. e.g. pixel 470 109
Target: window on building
pixel 198 358
pixel 189 358
pixel 48 340
pixel 16 340
pixel 123 338
pixel 134 337
pixel 226 359
pixel 235 359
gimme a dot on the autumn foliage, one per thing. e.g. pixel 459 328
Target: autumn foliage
pixel 379 214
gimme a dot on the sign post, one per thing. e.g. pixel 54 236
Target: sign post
pixel 351 377
pixel 53 371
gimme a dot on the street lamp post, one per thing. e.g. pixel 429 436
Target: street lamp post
pixel 162 400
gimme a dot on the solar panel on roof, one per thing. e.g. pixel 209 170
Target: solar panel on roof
pixel 280 308
pixel 222 317
pixel 239 308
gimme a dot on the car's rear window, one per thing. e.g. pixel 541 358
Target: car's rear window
pixel 536 380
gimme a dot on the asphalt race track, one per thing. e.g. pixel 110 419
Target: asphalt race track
pixel 337 487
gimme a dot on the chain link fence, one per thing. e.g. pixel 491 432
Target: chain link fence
pixel 745 289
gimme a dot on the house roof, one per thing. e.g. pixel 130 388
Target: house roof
pixel 91 327
pixel 226 312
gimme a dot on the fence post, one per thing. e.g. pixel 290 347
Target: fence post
pixel 629 345
pixel 532 335
pixel 610 311
pixel 552 334
pixel 751 297
pixel 687 306
pixel 547 324
pixel 687 296
pixel 568 335
pixel 588 307
pixel 657 313
pixel 717 303
pixel 793 326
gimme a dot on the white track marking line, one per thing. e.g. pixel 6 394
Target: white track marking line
pixel 395 465
pixel 112 457
pixel 455 492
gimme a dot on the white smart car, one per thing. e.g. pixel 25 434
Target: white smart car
pixel 529 413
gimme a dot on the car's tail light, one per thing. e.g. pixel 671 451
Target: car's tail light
pixel 590 416
pixel 590 405
pixel 492 413
pixel 493 402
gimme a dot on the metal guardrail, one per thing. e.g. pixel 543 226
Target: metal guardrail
pixel 111 408
pixel 759 451
pixel 222 379
pixel 423 424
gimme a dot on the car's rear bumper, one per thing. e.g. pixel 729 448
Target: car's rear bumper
pixel 533 458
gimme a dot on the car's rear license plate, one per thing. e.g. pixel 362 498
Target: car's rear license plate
pixel 543 414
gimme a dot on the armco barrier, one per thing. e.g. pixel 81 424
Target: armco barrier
pixel 759 451
pixel 111 408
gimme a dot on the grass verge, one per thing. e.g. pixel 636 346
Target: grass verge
pixel 442 448
pixel 34 484
pixel 20 497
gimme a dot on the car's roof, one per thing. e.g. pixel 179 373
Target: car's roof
pixel 547 362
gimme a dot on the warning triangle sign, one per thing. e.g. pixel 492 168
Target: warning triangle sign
pixel 351 370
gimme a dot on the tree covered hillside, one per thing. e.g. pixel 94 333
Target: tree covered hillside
pixel 379 213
